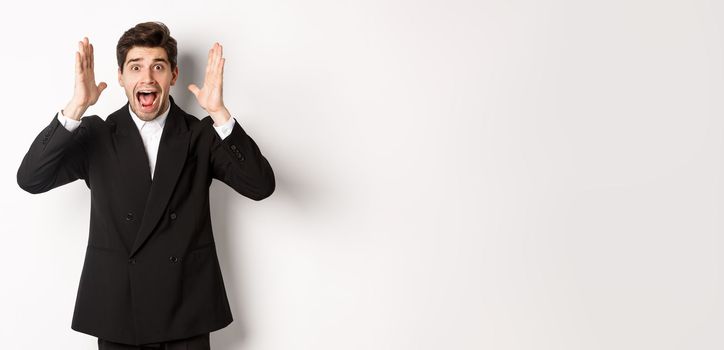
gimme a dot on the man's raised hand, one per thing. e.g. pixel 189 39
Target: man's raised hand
pixel 86 91
pixel 210 96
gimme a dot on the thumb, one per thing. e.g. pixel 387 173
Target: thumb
pixel 102 86
pixel 194 89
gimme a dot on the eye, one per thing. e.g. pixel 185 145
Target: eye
pixel 135 68
pixel 158 67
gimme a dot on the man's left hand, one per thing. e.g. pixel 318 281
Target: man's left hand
pixel 210 96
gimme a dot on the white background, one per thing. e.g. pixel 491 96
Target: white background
pixel 450 174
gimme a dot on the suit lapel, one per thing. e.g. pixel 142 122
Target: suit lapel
pixel 172 152
pixel 131 153
pixel 134 174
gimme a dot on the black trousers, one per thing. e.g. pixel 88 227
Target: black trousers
pixel 199 342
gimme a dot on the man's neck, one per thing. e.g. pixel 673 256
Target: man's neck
pixel 160 119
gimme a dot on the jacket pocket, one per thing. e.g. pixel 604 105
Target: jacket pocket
pixel 200 252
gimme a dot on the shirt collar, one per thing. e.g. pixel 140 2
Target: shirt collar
pixel 160 120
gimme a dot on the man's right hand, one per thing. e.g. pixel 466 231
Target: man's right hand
pixel 86 91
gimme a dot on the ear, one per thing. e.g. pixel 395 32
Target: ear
pixel 174 75
pixel 120 77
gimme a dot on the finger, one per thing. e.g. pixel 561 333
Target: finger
pixel 194 89
pixel 212 61
pixel 92 59
pixel 102 86
pixel 218 54
pixel 221 71
pixel 81 51
pixel 217 60
pixel 78 68
pixel 220 64
pixel 86 52
pixel 209 60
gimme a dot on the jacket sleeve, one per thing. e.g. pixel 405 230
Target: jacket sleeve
pixel 56 157
pixel 237 161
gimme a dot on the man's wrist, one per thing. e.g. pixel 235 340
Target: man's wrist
pixel 68 123
pixel 221 116
pixel 73 111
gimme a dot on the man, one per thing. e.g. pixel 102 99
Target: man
pixel 151 276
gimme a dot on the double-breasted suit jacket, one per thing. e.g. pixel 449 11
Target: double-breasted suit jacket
pixel 151 272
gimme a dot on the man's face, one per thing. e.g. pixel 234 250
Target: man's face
pixel 147 78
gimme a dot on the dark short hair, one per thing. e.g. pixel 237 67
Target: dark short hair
pixel 147 34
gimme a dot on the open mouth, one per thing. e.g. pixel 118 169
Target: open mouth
pixel 147 99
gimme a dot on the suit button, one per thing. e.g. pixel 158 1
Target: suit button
pixel 129 216
pixel 173 216
pixel 233 147
pixel 240 156
pixel 173 259
pixel 131 261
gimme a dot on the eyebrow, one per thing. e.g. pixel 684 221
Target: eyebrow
pixel 138 59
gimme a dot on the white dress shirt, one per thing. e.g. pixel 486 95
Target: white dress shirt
pixel 150 132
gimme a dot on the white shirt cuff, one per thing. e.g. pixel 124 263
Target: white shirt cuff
pixel 225 129
pixel 68 123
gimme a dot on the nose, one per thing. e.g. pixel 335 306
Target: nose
pixel 147 76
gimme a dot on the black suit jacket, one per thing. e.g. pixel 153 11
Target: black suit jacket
pixel 151 273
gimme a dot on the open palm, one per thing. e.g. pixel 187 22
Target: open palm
pixel 86 90
pixel 210 96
